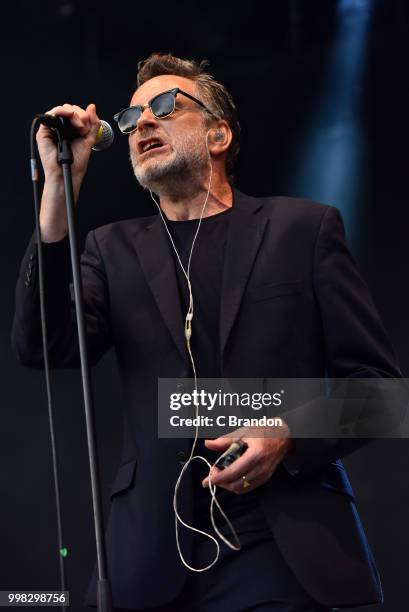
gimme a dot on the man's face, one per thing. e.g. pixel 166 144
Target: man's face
pixel 182 136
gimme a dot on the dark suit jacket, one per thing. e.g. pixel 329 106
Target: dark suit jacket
pixel 293 305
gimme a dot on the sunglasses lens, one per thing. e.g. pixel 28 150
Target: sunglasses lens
pixel 163 104
pixel 128 120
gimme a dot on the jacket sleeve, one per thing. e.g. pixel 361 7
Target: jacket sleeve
pixel 63 347
pixel 356 345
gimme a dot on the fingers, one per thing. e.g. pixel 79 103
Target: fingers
pixel 247 482
pixel 248 460
pixel 243 465
pixel 85 121
pixel 253 478
pixel 233 471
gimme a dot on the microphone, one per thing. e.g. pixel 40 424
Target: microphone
pixel 104 139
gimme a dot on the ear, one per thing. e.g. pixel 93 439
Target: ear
pixel 219 138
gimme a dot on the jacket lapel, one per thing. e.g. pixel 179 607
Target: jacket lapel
pixel 245 232
pixel 157 262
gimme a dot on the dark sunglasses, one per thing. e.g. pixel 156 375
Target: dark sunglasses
pixel 161 106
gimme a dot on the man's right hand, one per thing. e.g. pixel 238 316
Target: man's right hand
pixel 53 216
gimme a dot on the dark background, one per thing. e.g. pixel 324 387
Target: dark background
pixel 321 88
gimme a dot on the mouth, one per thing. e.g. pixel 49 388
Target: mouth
pixel 149 144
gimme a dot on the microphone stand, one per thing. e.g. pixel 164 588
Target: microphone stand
pixel 104 595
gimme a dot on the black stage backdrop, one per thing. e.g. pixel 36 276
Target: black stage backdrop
pixel 313 81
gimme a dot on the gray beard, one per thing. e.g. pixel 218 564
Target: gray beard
pixel 176 174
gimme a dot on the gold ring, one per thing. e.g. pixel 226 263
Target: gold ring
pixel 245 483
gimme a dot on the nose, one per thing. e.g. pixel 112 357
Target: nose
pixel 146 119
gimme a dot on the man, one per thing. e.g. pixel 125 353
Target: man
pixel 276 294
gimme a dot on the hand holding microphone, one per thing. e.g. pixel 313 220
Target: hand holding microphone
pixel 85 128
pixel 66 130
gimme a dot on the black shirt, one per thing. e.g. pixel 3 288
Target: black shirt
pixel 206 280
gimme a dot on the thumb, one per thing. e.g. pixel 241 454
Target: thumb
pixel 94 120
pixel 219 444
pixel 92 112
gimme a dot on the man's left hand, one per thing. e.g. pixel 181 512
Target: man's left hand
pixel 258 462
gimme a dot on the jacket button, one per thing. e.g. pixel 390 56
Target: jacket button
pixel 180 386
pixel 27 283
pixel 181 456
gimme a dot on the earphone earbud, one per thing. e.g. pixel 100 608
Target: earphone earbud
pixel 218 136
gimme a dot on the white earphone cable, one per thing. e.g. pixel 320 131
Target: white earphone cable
pixel 192 457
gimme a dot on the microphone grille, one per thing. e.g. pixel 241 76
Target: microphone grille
pixel 104 138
